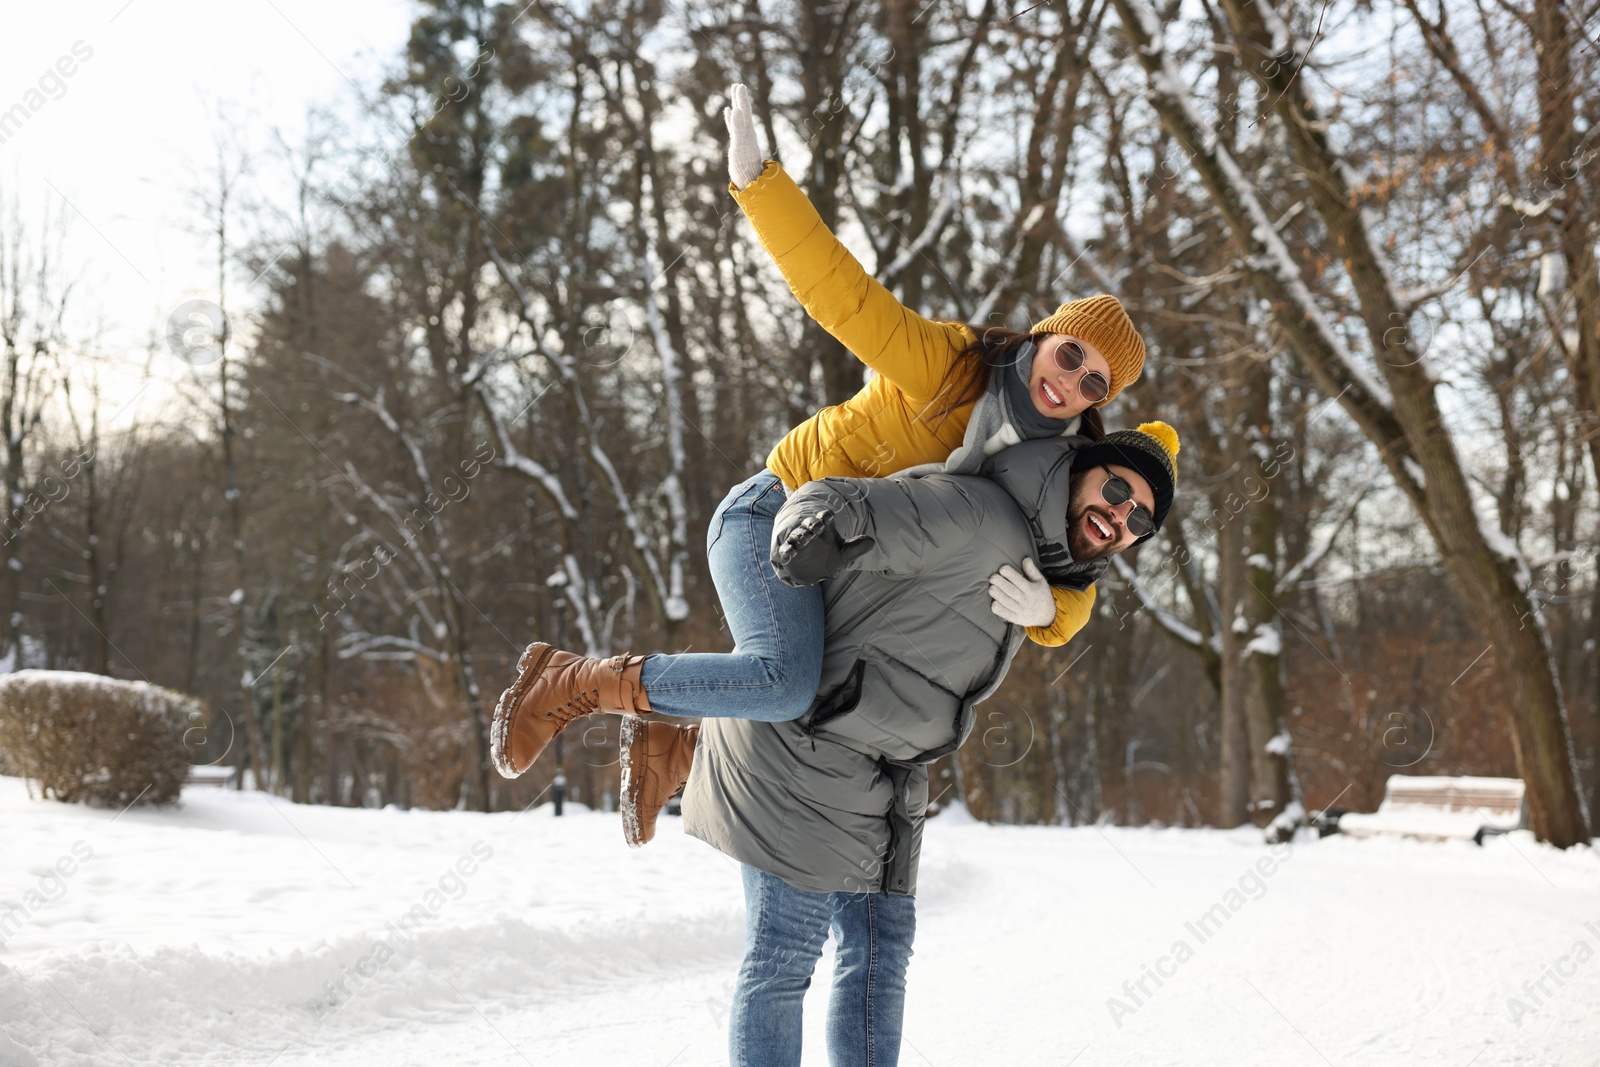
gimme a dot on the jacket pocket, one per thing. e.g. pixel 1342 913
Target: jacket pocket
pixel 889 709
pixel 841 701
pixel 745 504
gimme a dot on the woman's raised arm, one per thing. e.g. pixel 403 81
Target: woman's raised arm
pixel 909 350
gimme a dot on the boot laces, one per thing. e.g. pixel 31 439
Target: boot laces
pixel 585 702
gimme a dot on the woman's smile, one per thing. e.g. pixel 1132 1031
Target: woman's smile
pixel 1053 397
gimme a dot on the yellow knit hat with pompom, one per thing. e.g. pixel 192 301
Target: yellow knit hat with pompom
pixel 1169 441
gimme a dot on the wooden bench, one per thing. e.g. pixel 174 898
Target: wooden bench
pixel 206 774
pixel 1442 809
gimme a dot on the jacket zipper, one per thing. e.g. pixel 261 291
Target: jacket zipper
pixel 853 683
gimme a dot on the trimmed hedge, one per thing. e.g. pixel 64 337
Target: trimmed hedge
pixel 98 740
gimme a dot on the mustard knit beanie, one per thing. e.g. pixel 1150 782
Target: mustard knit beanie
pixel 1101 321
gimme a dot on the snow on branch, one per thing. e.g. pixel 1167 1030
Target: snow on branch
pixel 526 312
pixel 1167 620
pixel 512 458
pixel 1269 254
pixel 669 600
pixel 630 517
pixel 1273 268
pixel 372 646
pixel 1268 641
pixel 1312 559
pixel 673 600
pixel 419 464
pixel 408 538
pixel 930 234
pixel 1008 269
pixel 577 595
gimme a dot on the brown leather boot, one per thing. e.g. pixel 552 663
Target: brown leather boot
pixel 551 689
pixel 656 757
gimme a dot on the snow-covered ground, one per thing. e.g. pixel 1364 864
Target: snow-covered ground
pixel 238 929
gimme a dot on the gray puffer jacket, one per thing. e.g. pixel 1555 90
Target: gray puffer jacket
pixel 834 801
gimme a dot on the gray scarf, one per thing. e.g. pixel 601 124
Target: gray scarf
pixel 1007 400
pixel 994 409
pixel 1031 423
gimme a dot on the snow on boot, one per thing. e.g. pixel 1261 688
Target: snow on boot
pixel 656 757
pixel 551 689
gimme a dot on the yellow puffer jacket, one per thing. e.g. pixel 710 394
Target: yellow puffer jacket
pixel 887 426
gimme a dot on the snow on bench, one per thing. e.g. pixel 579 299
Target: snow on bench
pixel 208 774
pixel 1441 808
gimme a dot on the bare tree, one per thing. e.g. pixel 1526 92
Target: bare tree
pixel 1402 420
pixel 34 296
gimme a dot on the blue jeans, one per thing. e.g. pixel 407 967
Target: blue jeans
pixel 785 928
pixel 773 672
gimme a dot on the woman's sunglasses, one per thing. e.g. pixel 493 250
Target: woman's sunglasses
pixel 1093 386
pixel 1117 491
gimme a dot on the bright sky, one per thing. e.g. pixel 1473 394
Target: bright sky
pixel 128 136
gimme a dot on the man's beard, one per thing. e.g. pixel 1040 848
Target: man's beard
pixel 1084 550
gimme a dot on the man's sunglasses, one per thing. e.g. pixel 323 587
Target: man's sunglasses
pixel 1117 491
pixel 1092 386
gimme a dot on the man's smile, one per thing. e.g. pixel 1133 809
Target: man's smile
pixel 1099 530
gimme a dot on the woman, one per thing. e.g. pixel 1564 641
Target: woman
pixel 944 393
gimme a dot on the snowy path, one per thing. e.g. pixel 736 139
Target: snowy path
pixel 220 933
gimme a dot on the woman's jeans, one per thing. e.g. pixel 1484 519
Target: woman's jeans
pixel 773 671
pixel 784 931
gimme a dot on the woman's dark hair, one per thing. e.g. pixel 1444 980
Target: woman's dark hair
pixel 970 372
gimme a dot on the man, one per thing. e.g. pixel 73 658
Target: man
pixel 826 812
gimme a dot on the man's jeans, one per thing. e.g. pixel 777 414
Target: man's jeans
pixel 784 931
pixel 773 672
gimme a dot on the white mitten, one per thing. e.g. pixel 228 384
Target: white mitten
pixel 1024 599
pixel 744 155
